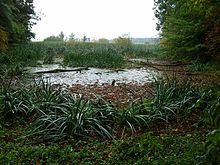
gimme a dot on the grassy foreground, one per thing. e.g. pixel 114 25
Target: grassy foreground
pixel 43 125
pixel 145 149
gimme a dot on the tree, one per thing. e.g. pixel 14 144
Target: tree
pixel 84 38
pixel 61 36
pixel 16 20
pixel 53 39
pixel 103 40
pixel 24 15
pixel 189 27
pixel 124 40
pixel 72 37
pixel 7 22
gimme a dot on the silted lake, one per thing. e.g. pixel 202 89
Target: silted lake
pixel 57 74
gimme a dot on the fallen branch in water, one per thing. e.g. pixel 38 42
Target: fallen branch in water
pixel 176 63
pixel 63 70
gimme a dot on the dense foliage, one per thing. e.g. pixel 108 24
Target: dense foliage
pixel 16 21
pixel 189 28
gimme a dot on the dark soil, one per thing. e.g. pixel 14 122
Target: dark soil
pixel 120 95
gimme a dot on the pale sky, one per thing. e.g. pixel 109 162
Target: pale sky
pixel 95 18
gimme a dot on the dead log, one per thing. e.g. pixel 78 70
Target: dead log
pixel 62 70
pixel 176 63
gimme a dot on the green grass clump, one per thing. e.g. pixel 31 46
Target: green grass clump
pixel 74 118
pixel 101 57
pixel 144 51
pixel 104 55
pixel 19 56
pixel 29 54
pixel 26 54
pixel 56 113
pixel 174 99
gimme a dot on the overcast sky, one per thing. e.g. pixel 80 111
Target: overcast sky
pixel 95 18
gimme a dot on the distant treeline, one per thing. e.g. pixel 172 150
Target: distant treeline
pixel 143 40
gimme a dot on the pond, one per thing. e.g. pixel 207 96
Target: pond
pixel 90 76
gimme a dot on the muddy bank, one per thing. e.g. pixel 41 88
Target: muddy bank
pixel 120 95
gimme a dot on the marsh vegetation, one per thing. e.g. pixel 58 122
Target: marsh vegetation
pixel 165 109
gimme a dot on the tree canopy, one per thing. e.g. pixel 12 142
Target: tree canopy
pixel 189 28
pixel 16 20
